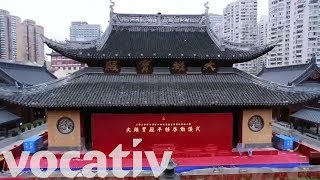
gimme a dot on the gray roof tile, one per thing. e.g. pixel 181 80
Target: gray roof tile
pixel 92 88
pixel 26 74
pixel 7 117
pixel 288 75
pixel 158 42
pixel 308 114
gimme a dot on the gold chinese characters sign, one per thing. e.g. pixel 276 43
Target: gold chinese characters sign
pixel 112 66
pixel 315 76
pixel 144 67
pixel 163 128
pixel 178 67
pixel 209 67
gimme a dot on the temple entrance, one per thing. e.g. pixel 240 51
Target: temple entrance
pixel 181 133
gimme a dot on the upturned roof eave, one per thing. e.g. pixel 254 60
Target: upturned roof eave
pixel 58 47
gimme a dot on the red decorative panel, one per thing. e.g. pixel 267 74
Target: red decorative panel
pixel 177 131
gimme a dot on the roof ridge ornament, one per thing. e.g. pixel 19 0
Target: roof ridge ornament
pixel 112 4
pixel 313 58
pixel 206 5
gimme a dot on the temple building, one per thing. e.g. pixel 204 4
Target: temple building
pixel 18 75
pixel 14 77
pixel 167 79
pixel 304 76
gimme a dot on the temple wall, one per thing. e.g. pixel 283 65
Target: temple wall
pixel 262 137
pixel 59 141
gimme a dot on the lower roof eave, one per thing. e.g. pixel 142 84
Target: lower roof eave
pixel 78 107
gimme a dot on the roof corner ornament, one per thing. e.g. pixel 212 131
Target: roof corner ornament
pixel 111 7
pixel 313 58
pixel 112 15
pixel 206 5
pixel 44 64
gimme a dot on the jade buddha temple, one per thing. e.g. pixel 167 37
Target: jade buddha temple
pixel 167 79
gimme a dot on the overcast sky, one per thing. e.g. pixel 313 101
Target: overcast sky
pixel 56 15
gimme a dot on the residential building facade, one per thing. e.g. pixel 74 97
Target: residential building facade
pixel 240 26
pixel 20 42
pixel 82 31
pixel 279 30
pixel 4 34
pixel 296 25
pixel 216 21
pixel 34 47
pixel 262 39
pixel 305 31
pixel 16 39
pixel 10 36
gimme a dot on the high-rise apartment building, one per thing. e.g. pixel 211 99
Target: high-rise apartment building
pixel 20 41
pixel 10 36
pixel 305 30
pixel 4 34
pixel 16 39
pixel 240 25
pixel 82 31
pixel 262 39
pixel 279 30
pixel 263 30
pixel 296 25
pixel 34 47
pixel 216 21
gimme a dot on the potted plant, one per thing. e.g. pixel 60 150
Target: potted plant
pixel 35 124
pixel 29 126
pixel 14 133
pixel 22 128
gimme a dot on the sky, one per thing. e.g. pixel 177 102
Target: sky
pixel 56 15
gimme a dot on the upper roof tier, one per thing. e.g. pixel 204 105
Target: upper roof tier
pixel 158 36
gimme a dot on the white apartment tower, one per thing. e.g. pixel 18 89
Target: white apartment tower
pixel 262 39
pixel 82 31
pixel 4 34
pixel 10 36
pixel 216 22
pixel 32 40
pixel 20 41
pixel 240 25
pixel 296 25
pixel 279 30
pixel 305 30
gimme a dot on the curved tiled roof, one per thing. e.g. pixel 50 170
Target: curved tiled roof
pixel 26 75
pixel 92 88
pixel 136 36
pixel 310 114
pixel 289 75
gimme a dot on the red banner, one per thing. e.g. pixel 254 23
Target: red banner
pixel 167 131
